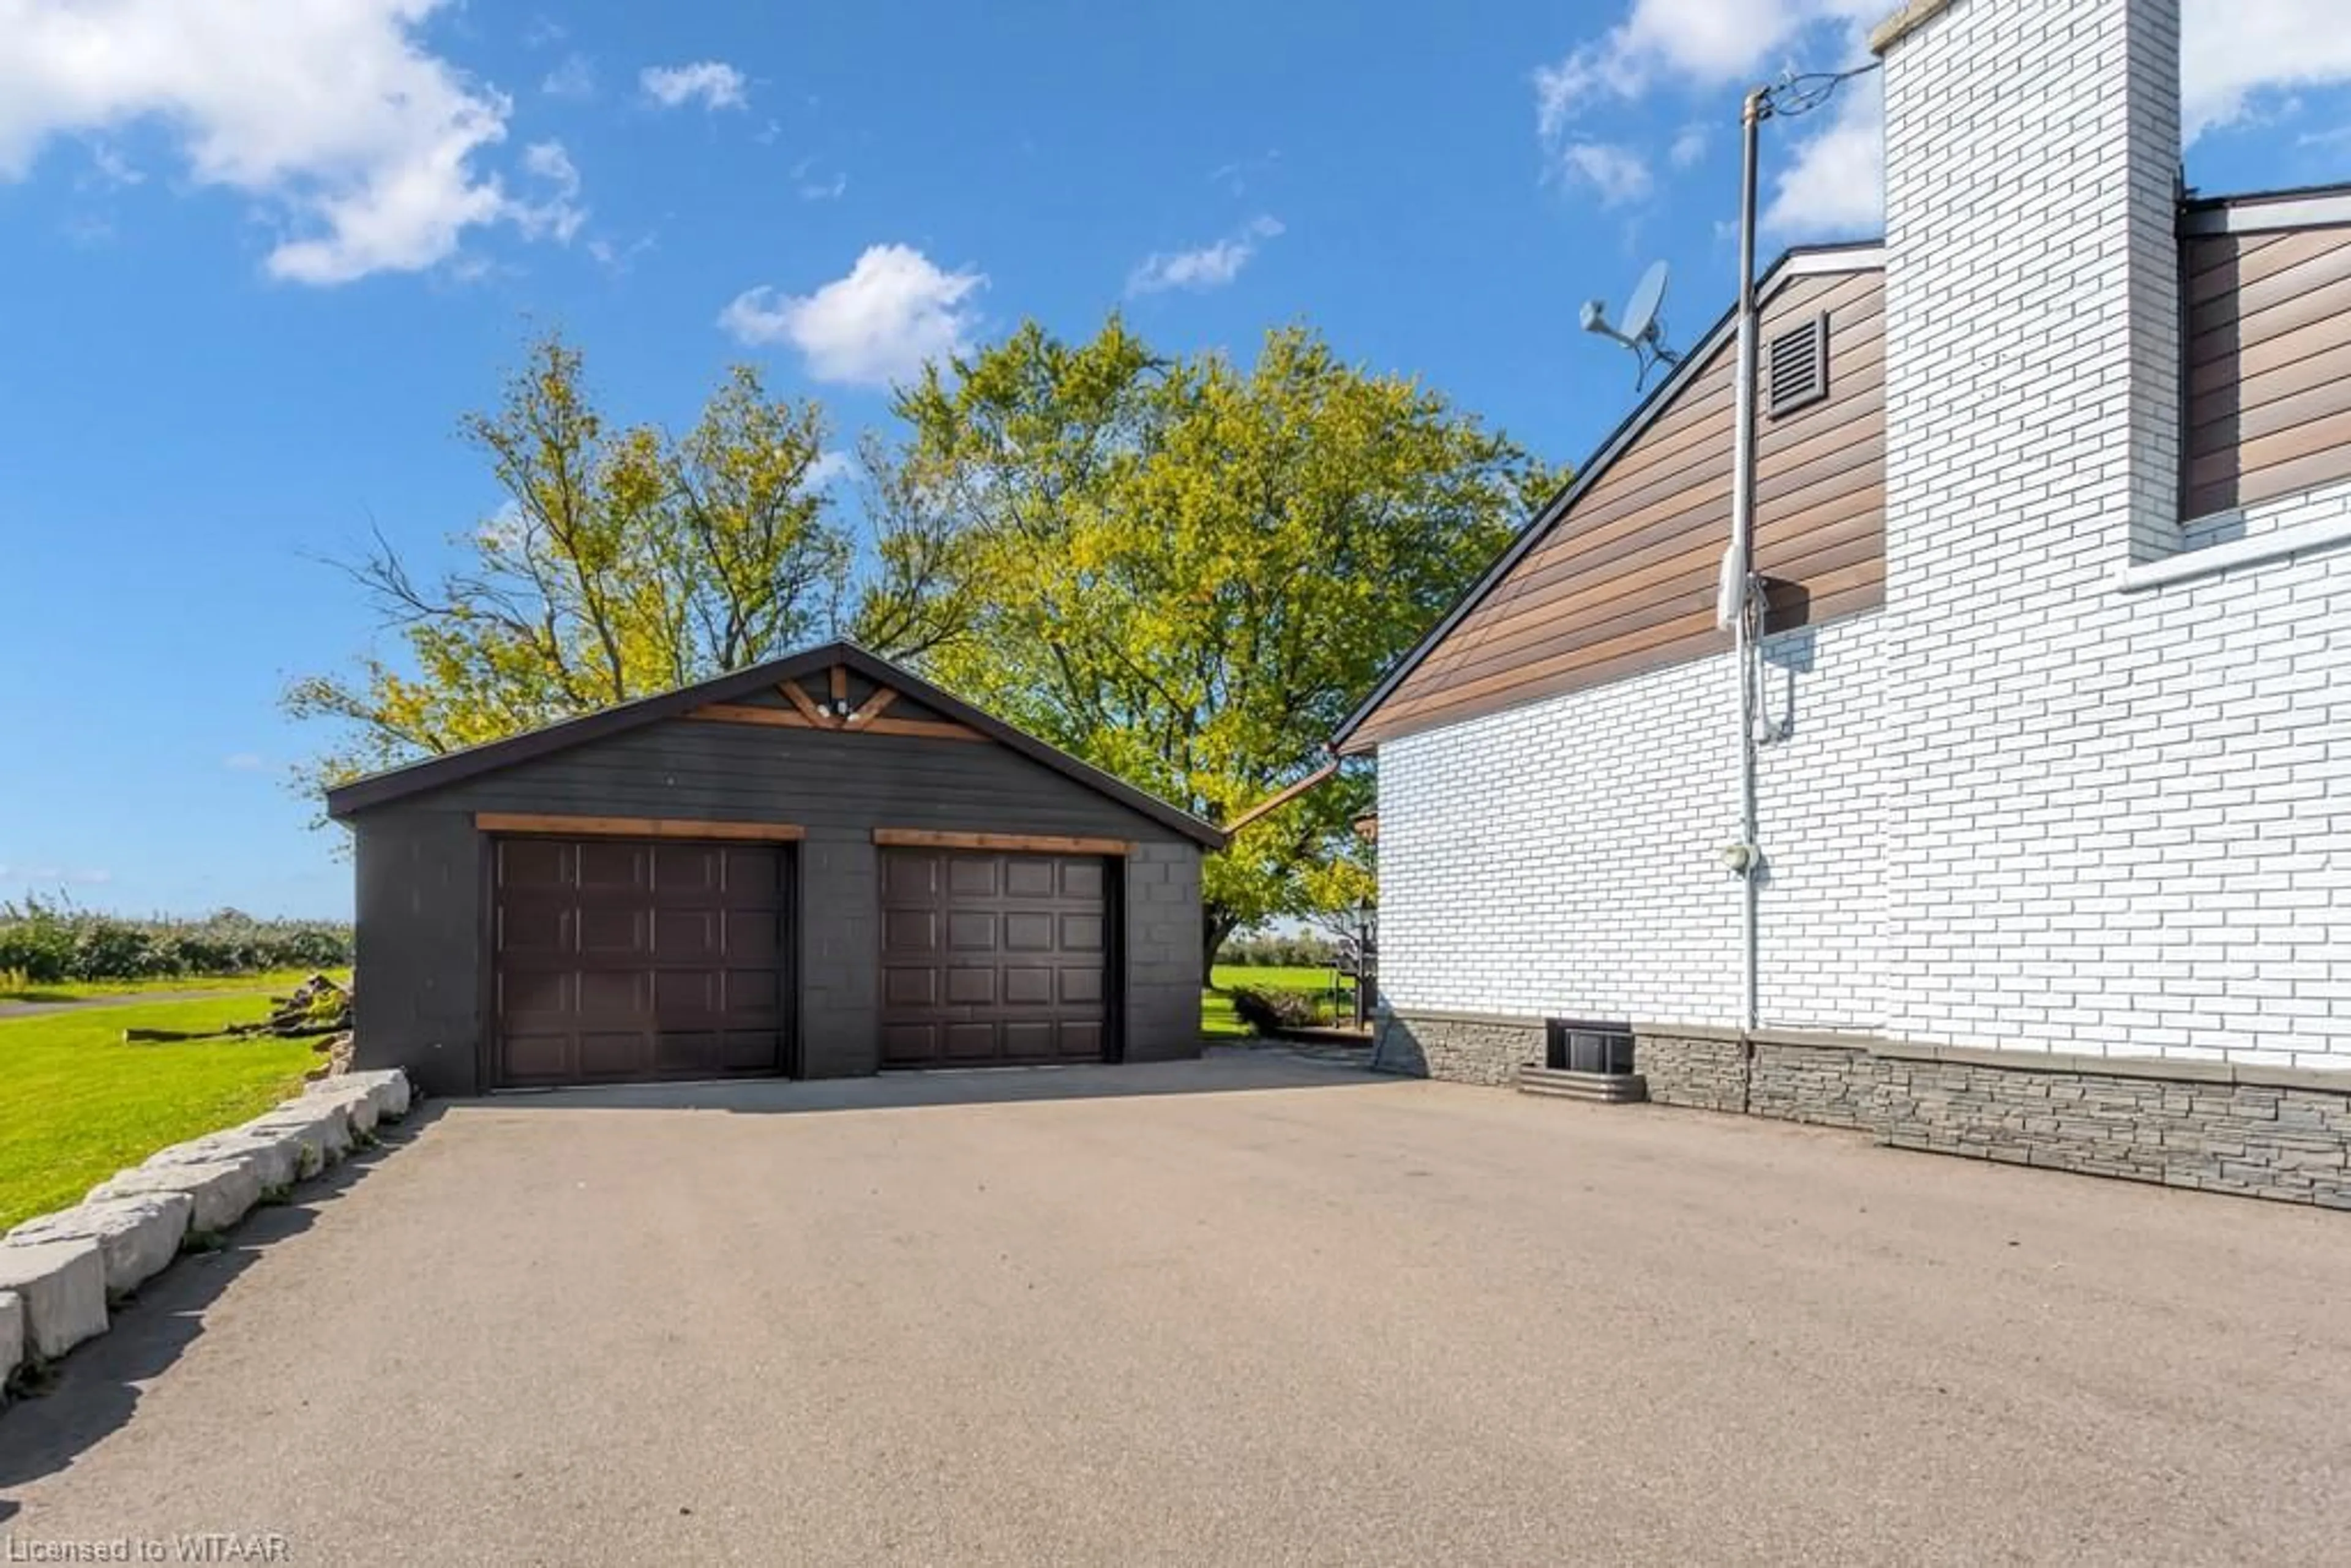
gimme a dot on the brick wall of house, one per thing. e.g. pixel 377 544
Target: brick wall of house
pixel 2116 823
pixel 1560 859
pixel 2019 807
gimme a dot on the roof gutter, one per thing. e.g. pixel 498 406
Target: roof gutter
pixel 1282 796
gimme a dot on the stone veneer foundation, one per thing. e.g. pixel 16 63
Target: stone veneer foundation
pixel 2261 1132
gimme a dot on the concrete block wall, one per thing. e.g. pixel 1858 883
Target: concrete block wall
pixel 1163 934
pixel 840 931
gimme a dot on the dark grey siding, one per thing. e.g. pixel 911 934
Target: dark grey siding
pixel 421 880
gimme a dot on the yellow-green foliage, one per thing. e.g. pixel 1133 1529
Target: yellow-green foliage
pixel 623 563
pixel 1188 570
pixel 1185 570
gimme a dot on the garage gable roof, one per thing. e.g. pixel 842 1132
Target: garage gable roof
pixel 437 772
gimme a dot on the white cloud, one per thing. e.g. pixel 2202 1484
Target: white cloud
pixel 1832 182
pixel 1830 169
pixel 718 84
pixel 620 259
pixel 831 467
pixel 1618 174
pixel 1682 44
pixel 360 141
pixel 558 212
pixel 895 310
pixel 2236 49
pixel 1236 176
pixel 243 762
pixel 574 78
pixel 814 187
pixel 1691 43
pixel 109 169
pixel 1210 267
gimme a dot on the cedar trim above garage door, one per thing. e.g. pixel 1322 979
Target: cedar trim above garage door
pixel 1031 843
pixel 637 827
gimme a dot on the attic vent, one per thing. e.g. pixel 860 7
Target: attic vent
pixel 1798 367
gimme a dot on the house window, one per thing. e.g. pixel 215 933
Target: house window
pixel 1796 366
pixel 1582 1045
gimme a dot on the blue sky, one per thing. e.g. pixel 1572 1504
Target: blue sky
pixel 260 258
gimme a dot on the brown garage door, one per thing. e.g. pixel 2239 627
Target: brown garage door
pixel 992 958
pixel 618 961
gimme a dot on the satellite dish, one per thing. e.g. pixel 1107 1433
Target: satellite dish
pixel 1644 331
pixel 1641 322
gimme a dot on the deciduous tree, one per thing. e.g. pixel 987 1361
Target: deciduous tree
pixel 1188 570
pixel 622 561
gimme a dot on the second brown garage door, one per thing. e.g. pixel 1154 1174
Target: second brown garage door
pixel 993 959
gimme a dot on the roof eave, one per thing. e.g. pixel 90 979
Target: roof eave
pixel 1804 261
pixel 440 772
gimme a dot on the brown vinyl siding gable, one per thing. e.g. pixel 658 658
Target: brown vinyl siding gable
pixel 2268 337
pixel 1625 580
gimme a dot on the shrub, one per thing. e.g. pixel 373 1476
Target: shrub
pixel 1304 951
pixel 1270 1012
pixel 47 942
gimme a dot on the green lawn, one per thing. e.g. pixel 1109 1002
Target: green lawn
pixel 77 1104
pixel 1217 1019
pixel 278 980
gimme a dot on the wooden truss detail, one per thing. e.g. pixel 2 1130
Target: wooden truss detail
pixel 807 713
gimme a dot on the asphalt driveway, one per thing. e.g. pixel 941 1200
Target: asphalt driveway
pixel 1251 1310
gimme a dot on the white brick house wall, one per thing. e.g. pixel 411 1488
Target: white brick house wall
pixel 1558 860
pixel 2116 823
pixel 2023 806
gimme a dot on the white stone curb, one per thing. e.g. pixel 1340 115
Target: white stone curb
pixel 12 1335
pixel 137 1237
pixel 58 1271
pixel 281 1154
pixel 63 1284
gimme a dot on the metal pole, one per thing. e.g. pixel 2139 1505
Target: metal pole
pixel 1739 565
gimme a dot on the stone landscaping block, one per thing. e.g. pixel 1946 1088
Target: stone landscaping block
pixel 279 1154
pixel 221 1190
pixel 137 1237
pixel 325 1130
pixel 12 1337
pixel 62 1285
pixel 355 1101
pixel 388 1088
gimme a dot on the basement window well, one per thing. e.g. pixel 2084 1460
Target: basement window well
pixel 1582 1045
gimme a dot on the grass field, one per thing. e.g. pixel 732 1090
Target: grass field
pixel 77 1104
pixel 1217 1019
pixel 278 980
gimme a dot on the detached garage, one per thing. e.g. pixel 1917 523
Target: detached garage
pixel 819 867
